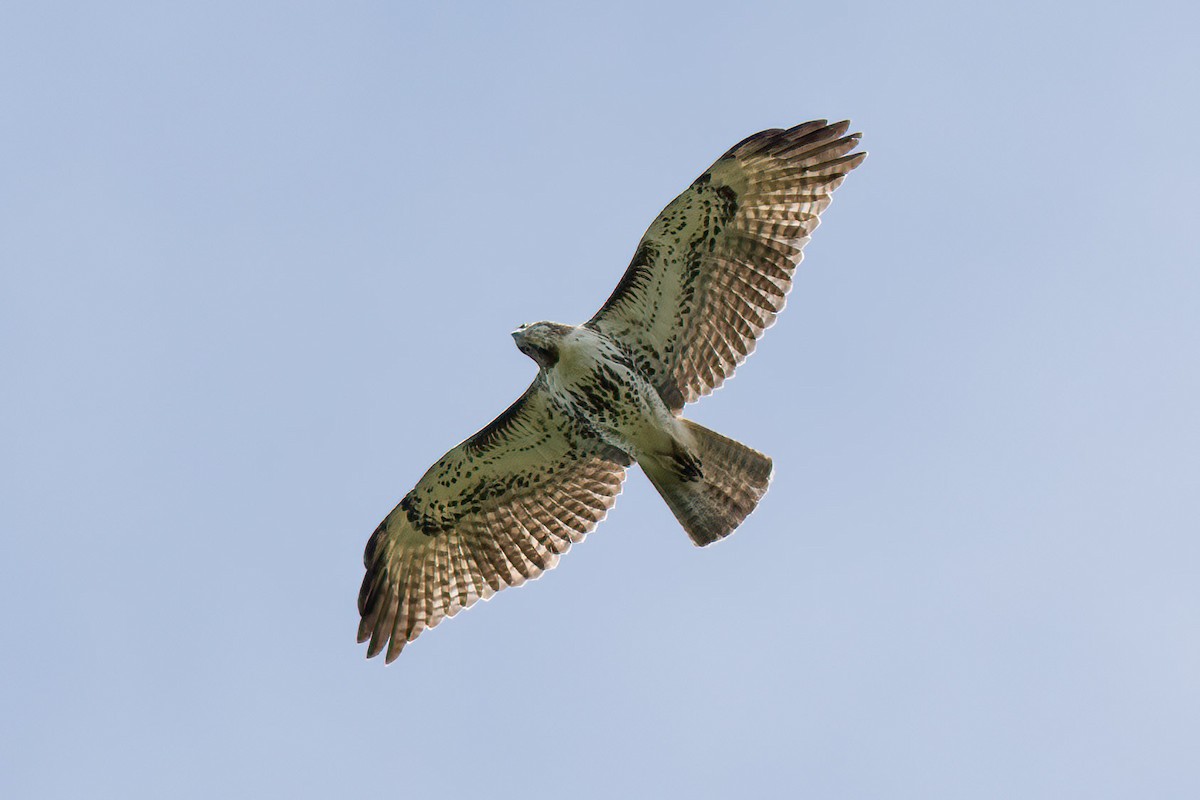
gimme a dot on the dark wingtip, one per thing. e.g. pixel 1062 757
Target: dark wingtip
pixel 806 127
pixel 378 641
pixel 841 127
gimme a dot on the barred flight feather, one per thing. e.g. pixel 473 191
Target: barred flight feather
pixel 712 273
pixel 418 577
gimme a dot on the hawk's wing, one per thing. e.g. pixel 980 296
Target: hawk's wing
pixel 714 268
pixel 495 511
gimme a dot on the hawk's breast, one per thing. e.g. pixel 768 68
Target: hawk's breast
pixel 598 382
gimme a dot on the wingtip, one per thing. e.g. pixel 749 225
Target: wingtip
pixel 838 129
pixel 377 646
pixel 807 127
pixel 364 629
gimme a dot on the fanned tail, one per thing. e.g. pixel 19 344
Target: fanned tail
pixel 711 501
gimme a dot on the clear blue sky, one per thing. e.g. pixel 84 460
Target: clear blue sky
pixel 258 266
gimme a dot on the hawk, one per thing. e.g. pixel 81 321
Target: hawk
pixel 706 280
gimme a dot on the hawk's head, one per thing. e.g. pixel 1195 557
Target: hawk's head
pixel 540 341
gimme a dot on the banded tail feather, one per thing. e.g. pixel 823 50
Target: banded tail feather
pixel 732 479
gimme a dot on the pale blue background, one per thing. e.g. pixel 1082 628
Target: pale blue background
pixel 260 262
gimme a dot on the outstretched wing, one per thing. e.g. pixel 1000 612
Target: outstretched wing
pixel 713 270
pixel 495 511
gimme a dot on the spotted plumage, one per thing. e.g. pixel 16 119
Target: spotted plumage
pixel 709 276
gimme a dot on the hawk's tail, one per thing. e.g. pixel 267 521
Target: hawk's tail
pixel 712 488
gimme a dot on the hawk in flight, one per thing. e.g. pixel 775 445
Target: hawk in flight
pixel 707 279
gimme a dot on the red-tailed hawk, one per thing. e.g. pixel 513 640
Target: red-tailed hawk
pixel 707 279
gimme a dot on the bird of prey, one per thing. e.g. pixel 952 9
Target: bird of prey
pixel 706 280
